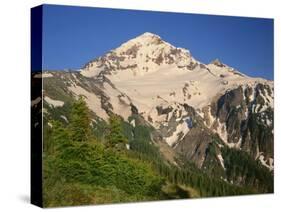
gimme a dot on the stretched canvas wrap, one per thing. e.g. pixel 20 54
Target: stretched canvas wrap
pixel 132 106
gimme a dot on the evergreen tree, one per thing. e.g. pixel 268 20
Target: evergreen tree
pixel 80 129
pixel 55 136
pixel 115 136
pixel 60 136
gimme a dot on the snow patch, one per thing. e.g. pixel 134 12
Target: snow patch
pixel 46 75
pixel 264 162
pixel 221 130
pixel 127 146
pixel 43 75
pixel 133 123
pixel 35 101
pixel 220 146
pixel 235 145
pixel 64 118
pixel 219 156
pixel 182 129
pixel 53 103
pixel 268 122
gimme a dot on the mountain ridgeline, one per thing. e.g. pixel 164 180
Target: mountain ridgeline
pixel 147 121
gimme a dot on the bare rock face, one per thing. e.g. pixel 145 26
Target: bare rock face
pixel 248 117
pixel 194 145
pixel 227 102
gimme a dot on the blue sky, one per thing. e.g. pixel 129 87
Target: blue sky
pixel 72 36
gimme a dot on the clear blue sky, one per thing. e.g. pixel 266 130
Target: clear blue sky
pixel 72 36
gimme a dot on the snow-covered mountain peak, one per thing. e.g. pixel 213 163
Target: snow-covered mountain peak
pixel 150 71
pixel 147 40
pixel 142 55
pixel 149 34
pixel 143 40
pixel 146 37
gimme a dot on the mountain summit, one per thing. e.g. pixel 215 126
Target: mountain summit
pixel 146 38
pixel 143 54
